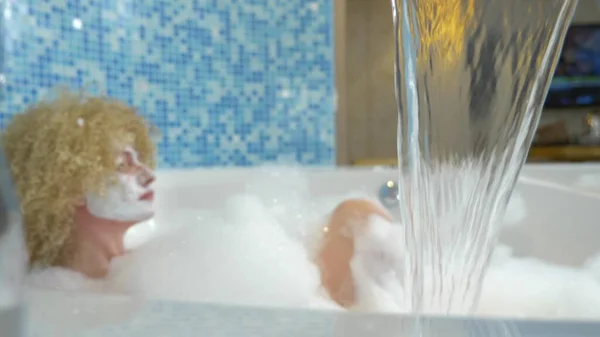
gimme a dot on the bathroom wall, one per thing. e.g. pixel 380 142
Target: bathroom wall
pixel 371 104
pixel 371 107
pixel 228 82
pixel 588 11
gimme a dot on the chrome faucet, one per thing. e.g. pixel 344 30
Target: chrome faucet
pixel 13 258
pixel 389 195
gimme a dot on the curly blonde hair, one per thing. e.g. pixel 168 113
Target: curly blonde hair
pixel 61 150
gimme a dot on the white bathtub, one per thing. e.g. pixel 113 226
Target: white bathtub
pixel 562 226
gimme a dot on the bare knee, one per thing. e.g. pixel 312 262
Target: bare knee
pixel 338 247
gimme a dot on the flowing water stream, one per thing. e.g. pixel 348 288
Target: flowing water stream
pixel 471 79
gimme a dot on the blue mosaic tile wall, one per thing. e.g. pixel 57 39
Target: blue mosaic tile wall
pixel 228 82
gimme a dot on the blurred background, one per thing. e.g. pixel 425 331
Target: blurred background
pixel 228 82
pixel 252 82
pixel 569 130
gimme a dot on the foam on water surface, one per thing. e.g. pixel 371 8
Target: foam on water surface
pixel 254 251
pixel 593 266
pixel 377 267
pixel 530 288
pixel 242 256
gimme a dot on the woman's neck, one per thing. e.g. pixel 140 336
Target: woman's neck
pixel 96 242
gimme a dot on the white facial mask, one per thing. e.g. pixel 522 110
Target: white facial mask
pixel 122 201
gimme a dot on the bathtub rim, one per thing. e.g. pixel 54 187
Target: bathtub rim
pixel 524 326
pixel 175 177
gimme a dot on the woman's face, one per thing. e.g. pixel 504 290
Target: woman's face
pixel 132 198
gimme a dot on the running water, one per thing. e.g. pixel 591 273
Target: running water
pixel 471 78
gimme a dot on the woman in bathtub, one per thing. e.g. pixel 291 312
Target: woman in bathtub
pixel 83 169
pixel 84 172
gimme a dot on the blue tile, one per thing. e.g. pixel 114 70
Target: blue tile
pixel 228 82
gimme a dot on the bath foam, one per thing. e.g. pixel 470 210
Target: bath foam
pixel 377 267
pixel 516 210
pixel 226 254
pixel 245 259
pixel 531 288
pixel 296 209
pixel 285 193
pixel 513 287
pixel 119 281
pixel 501 255
pixel 592 266
pixel 58 278
pixel 144 232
